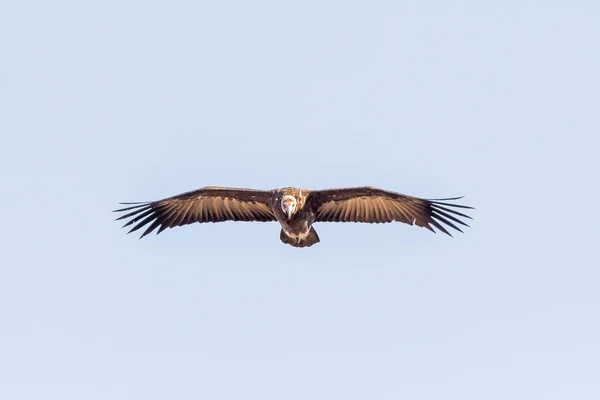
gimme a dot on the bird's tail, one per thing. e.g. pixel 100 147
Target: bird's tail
pixel 308 241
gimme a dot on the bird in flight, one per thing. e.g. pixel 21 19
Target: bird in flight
pixel 295 209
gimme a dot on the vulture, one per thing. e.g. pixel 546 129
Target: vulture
pixel 295 209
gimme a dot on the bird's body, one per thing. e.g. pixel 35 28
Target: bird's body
pixel 297 226
pixel 295 209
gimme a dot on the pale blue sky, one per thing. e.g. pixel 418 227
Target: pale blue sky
pixel 126 101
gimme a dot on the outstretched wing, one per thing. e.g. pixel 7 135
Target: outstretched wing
pixel 373 205
pixel 209 204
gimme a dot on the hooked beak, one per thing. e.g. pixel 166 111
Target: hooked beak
pixel 288 209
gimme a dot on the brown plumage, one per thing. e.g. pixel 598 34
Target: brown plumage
pixel 295 209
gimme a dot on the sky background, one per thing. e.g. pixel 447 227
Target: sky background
pixel 114 101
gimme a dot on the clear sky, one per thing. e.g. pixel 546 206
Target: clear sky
pixel 114 101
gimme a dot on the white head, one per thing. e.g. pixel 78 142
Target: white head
pixel 288 205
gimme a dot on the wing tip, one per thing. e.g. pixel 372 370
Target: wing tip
pixel 133 206
pixel 441 201
pixel 441 213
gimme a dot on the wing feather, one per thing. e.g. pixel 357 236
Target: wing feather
pixel 209 204
pixel 152 227
pixel 402 214
pixel 374 205
pixel 140 214
pixel 449 216
pixel 227 209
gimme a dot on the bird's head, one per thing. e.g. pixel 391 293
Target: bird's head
pixel 288 205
